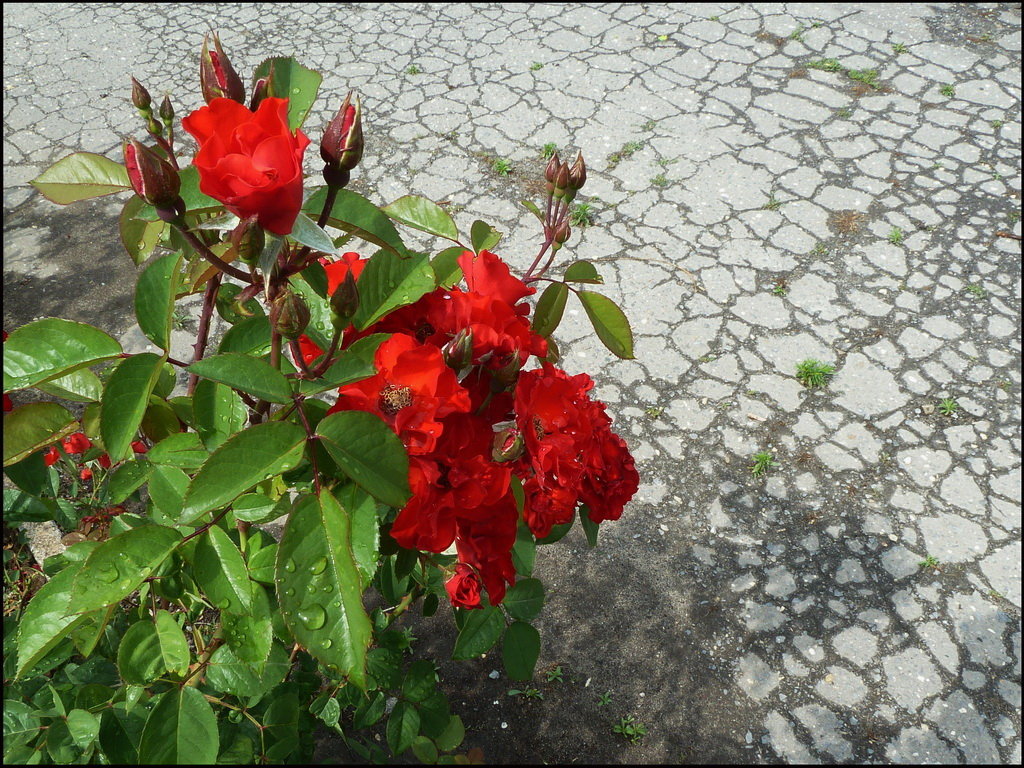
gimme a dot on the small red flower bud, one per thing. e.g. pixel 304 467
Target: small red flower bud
pixel 8 405
pixel 152 177
pixel 344 301
pixel 578 173
pixel 52 456
pixel 561 181
pixel 260 91
pixel 139 447
pixel 166 111
pixel 141 98
pixel 562 232
pixel 552 170
pixel 508 445
pixel 458 353
pixel 104 461
pixel 342 145
pixel 216 75
pixel 289 314
pixel 85 474
pixel 76 443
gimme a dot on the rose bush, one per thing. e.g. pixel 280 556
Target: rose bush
pixel 403 412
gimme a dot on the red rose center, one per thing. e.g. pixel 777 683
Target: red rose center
pixel 394 398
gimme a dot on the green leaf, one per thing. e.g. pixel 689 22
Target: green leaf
pixel 230 674
pixel 356 215
pixel 424 215
pixel 249 374
pixel 320 329
pixel 220 571
pixel 21 725
pixel 425 750
pixel 389 282
pixel 306 232
pixel 249 457
pixel 532 208
pixel 250 635
pixel 258 508
pixel 268 256
pixel 610 323
pixel 125 401
pixel 318 586
pixel 154 298
pixel 354 364
pixel 118 566
pixel 525 599
pixel 82 386
pixel 31 475
pixel 453 734
pixel 249 337
pixel 366 450
pixel 420 680
pixel 180 730
pixel 140 229
pixel 550 307
pixel 446 267
pixel 46 621
pixel 48 348
pixel 120 732
pixel 167 488
pixel 21 507
pixel 362 509
pixel 483 236
pixel 31 427
pixel 582 272
pixel 148 649
pixel 520 650
pixel 126 479
pixel 81 176
pixel 557 533
pixel 589 526
pixel 290 80
pixel 182 449
pixel 195 200
pixel 403 727
pixel 524 551
pixel 481 629
pixel 218 412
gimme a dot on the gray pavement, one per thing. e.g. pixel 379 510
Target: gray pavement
pixel 770 182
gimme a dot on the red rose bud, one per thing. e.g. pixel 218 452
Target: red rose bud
pixel 502 378
pixel 289 314
pixel 52 456
pixel 551 172
pixel 85 474
pixel 508 445
pixel 141 98
pixel 76 443
pixel 216 75
pixel 562 232
pixel 139 447
pixel 578 173
pixel 104 461
pixel 464 587
pixel 344 301
pixel 166 112
pixel 342 145
pixel 152 177
pixel 248 239
pixel 561 181
pixel 458 353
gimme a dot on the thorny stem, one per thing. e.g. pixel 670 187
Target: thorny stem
pixel 210 256
pixel 325 214
pixel 205 527
pixel 310 438
pixel 209 301
pixel 406 601
pixel 204 659
pixel 300 361
pixel 324 364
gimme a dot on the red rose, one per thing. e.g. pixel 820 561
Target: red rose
pixel 139 447
pixel 52 456
pixel 85 474
pixel 464 587
pixel 76 443
pixel 104 461
pixel 250 161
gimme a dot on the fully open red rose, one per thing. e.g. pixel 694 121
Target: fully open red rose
pixel 250 161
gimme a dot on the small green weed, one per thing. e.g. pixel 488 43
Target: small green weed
pixel 948 91
pixel 843 113
pixel 501 166
pixel 649 125
pixel 975 289
pixel 548 150
pixel 660 180
pixel 535 66
pixel 896 236
pixel 780 290
pixel 581 215
pixel 867 76
pixel 413 69
pixel 948 406
pixel 928 562
pixel 554 675
pixel 662 38
pixel 825 65
pixel 653 411
pixel 819 250
pixel 1013 216
pixel 763 461
pixel 797 34
pixel 899 48
pixel 604 699
pixel 996 124
pixel 626 150
pixel 527 693
pixel 813 373
pixel 714 18
pixel 773 204
pixel 631 729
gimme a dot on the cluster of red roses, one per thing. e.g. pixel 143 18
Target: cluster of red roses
pixel 450 384
pixel 76 445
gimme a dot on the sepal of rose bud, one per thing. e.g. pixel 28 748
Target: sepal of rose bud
pixel 217 77
pixel 551 172
pixel 289 314
pixel 141 98
pixel 502 378
pixel 248 239
pixel 508 445
pixel 153 178
pixel 260 91
pixel 166 112
pixel 344 301
pixel 342 145
pixel 562 232
pixel 561 181
pixel 458 353
pixel 578 173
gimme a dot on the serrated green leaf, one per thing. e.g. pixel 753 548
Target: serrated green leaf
pixel 154 298
pixel 21 507
pixel 557 533
pixel 181 729
pixel 318 586
pixel 356 215
pixel 320 328
pixel 31 427
pixel 249 374
pixel 149 648
pixel 525 599
pixel 220 571
pixel 480 630
pixel 218 413
pixel 610 323
pixel 582 272
pixel 196 201
pixel 524 551
pixel 126 479
pixel 249 337
pixel 182 449
pixel 250 635
pixel 50 347
pixel 366 450
pixel 420 680
pixel 550 307
pixel 118 566
pixel 140 229
pixel 82 386
pixel 532 208
pixel 81 176
pixel 447 271
pixel 520 650
pixel 125 400
pixel 589 526
pixel 290 80
pixel 251 456
pixel 167 488
pixel 388 282
pixel 424 215
pixel 120 731
pixel 453 734
pixel 483 236
pixel 47 620
pixel 355 364
pixel 362 509
pixel 403 727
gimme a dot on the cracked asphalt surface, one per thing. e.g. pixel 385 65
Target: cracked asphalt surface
pixel 769 183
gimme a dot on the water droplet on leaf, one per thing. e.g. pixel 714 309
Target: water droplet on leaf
pixel 289 565
pixel 313 617
pixel 318 565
